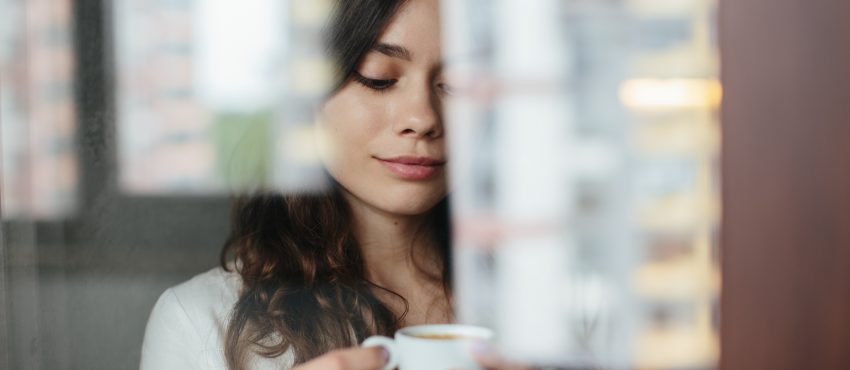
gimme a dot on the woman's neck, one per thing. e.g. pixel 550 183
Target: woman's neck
pixel 402 257
pixel 394 247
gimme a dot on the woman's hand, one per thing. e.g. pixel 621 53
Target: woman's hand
pixel 490 360
pixel 356 358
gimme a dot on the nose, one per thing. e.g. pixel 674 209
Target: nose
pixel 421 115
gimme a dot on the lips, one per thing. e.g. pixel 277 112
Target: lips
pixel 411 167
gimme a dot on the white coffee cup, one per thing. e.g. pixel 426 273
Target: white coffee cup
pixel 432 347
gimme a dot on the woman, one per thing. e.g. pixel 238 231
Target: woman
pixel 304 277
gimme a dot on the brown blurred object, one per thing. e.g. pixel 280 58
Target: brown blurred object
pixel 786 184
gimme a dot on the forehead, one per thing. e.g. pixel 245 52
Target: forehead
pixel 416 27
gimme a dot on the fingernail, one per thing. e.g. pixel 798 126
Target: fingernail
pixel 481 348
pixel 385 353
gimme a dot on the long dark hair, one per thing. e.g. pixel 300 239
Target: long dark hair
pixel 304 285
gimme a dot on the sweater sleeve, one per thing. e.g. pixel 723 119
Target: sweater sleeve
pixel 171 342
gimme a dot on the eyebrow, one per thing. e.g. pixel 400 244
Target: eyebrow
pixel 395 51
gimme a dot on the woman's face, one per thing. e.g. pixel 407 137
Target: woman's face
pixel 382 132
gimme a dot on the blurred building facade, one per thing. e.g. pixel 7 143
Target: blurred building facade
pixel 163 131
pixel 585 143
pixel 37 109
pixel 673 98
pixel 201 93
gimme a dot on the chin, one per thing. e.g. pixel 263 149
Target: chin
pixel 407 208
pixel 410 204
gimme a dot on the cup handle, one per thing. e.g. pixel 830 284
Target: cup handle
pixel 389 345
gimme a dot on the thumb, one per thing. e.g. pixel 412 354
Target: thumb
pixel 358 358
pixel 366 358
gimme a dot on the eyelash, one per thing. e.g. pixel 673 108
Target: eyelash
pixel 445 88
pixel 374 84
pixel 382 85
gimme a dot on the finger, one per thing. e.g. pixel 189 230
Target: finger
pixel 371 358
pixel 493 363
pixel 490 360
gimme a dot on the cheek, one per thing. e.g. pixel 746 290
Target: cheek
pixel 349 130
pixel 354 110
pixel 353 127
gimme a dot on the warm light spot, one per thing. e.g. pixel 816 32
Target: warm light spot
pixel 666 94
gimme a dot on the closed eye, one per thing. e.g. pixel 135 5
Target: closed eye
pixel 445 88
pixel 374 84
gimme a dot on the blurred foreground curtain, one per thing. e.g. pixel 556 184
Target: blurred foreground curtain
pixel 786 184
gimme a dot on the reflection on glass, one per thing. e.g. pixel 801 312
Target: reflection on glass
pixel 37 117
pixel 584 142
pixel 214 95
